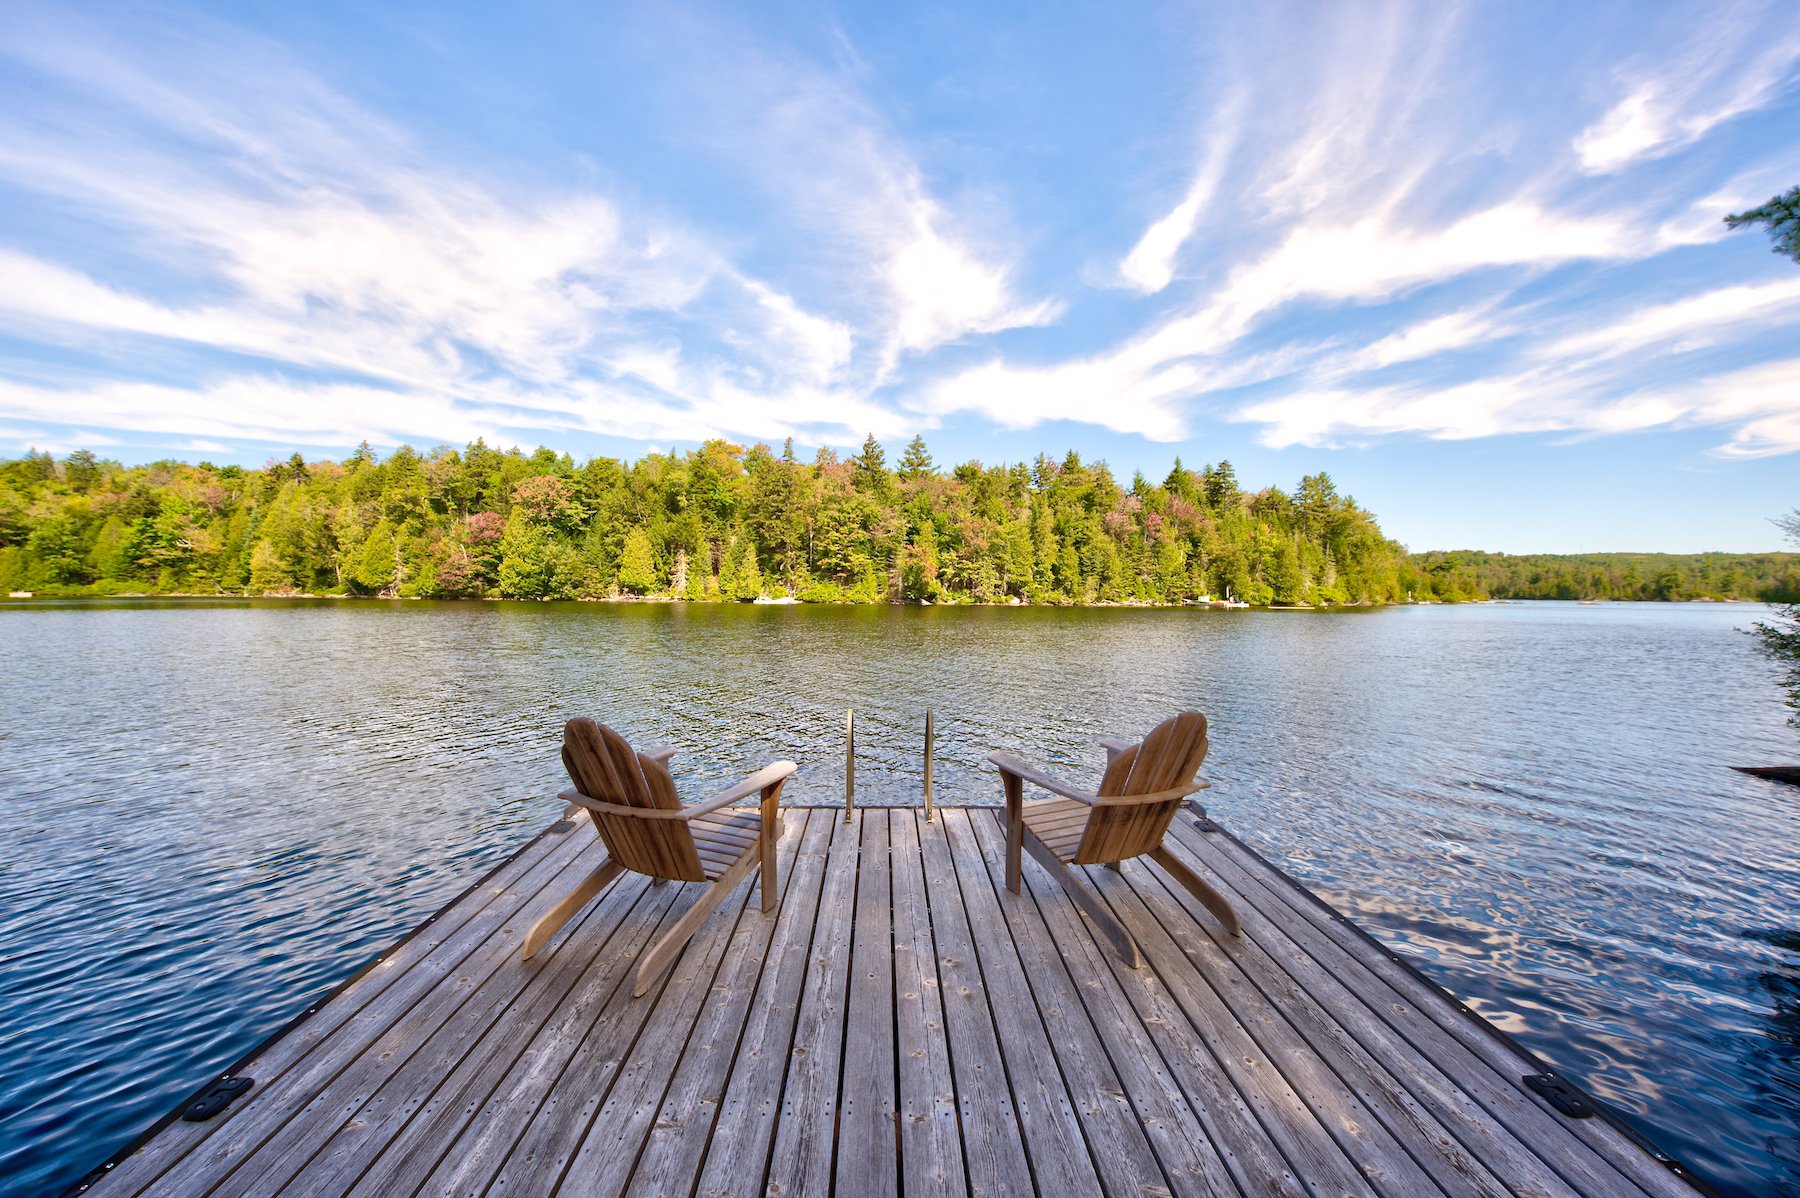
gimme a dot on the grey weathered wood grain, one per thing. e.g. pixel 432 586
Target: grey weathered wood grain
pixel 732 1157
pixel 556 1126
pixel 1116 1138
pixel 1312 1126
pixel 604 1161
pixel 801 1160
pixel 1058 945
pixel 180 1140
pixel 868 1134
pixel 526 1039
pixel 993 1149
pixel 676 1142
pixel 1436 1119
pixel 1370 1123
pixel 437 980
pixel 1055 1144
pixel 397 1088
pixel 443 1021
pixel 930 1133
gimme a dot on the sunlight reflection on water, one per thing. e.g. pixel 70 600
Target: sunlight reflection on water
pixel 216 810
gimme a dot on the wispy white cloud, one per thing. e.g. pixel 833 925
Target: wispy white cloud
pixel 1150 266
pixel 1359 197
pixel 1760 405
pixel 1686 324
pixel 1720 74
pixel 313 235
pixel 20 438
pixel 1138 387
pixel 1428 338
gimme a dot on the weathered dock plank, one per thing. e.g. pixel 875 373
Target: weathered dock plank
pixel 993 1149
pixel 931 1159
pixel 800 1158
pixel 1045 1028
pixel 868 1136
pixel 902 1024
pixel 675 1143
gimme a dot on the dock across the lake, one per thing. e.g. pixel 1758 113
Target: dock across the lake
pixel 901 1024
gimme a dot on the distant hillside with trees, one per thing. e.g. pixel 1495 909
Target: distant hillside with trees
pixel 724 523
pixel 1465 575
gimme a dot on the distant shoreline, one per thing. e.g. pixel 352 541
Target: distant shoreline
pixel 672 600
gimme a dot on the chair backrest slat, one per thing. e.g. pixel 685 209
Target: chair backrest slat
pixel 603 766
pixel 1167 758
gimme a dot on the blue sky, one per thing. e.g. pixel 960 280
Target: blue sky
pixel 1466 257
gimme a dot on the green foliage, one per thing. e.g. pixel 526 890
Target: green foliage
pixel 1464 575
pixel 377 565
pixel 720 522
pixel 1781 216
pixel 747 579
pixel 916 464
pixel 533 564
pixel 637 564
pixel 870 473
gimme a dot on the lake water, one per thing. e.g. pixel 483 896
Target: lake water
pixel 213 811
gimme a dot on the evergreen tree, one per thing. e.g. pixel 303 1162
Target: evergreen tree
pixel 916 463
pixel 268 572
pixel 919 569
pixel 81 470
pixel 748 579
pixel 1222 492
pixel 532 566
pixel 637 564
pixel 870 467
pixel 377 566
pixel 511 524
pixel 1781 216
pixel 701 585
pixel 1781 636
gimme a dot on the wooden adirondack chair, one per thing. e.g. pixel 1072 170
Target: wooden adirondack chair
pixel 647 830
pixel 1125 817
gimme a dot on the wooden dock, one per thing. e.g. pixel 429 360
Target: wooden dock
pixel 901 1025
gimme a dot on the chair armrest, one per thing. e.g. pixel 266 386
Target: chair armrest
pixel 660 754
pixel 1006 763
pixel 761 780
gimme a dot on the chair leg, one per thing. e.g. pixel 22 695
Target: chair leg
pixel 1014 790
pixel 670 946
pixel 768 832
pixel 1090 903
pixel 1209 898
pixel 563 912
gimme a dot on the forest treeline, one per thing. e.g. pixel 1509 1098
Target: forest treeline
pixel 1463 575
pixel 719 522
pixel 723 522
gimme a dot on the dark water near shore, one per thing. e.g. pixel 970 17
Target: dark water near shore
pixel 211 812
